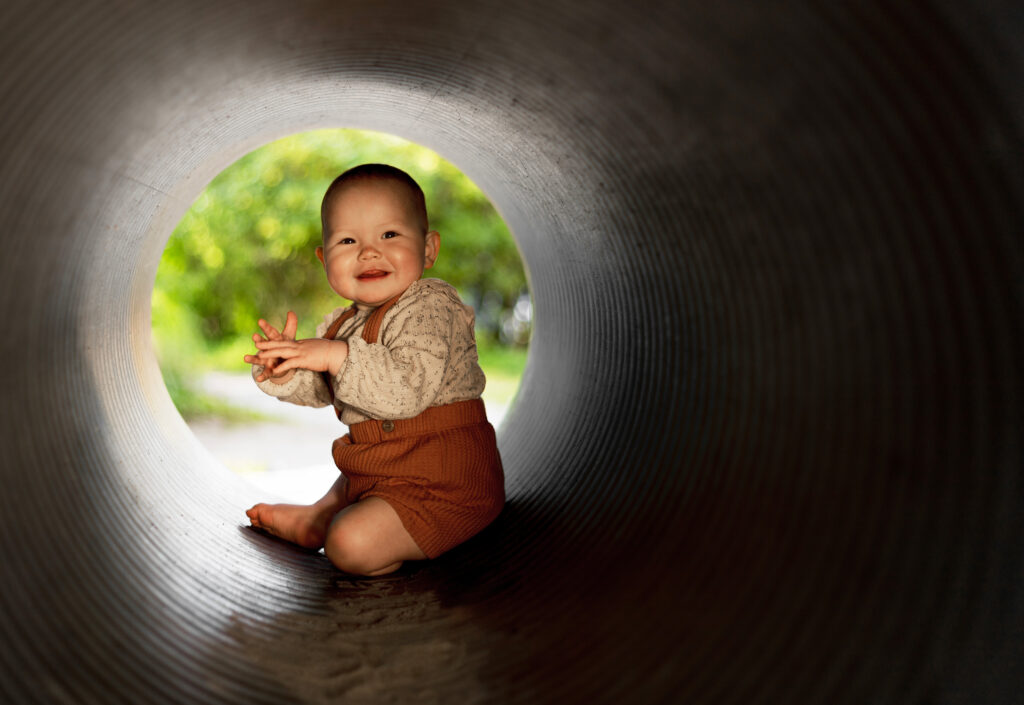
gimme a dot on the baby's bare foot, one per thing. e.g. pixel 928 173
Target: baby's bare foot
pixel 304 524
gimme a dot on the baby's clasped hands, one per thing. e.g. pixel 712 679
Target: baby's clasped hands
pixel 291 324
pixel 280 352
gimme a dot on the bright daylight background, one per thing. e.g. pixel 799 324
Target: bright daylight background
pixel 245 250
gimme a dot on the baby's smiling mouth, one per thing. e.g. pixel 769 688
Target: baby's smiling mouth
pixel 372 274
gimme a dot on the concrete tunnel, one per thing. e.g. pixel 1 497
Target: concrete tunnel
pixel 767 448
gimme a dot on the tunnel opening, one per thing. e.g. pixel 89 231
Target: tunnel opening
pixel 243 251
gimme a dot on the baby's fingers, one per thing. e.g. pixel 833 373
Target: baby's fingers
pixel 291 325
pixel 275 345
pixel 286 366
pixel 271 358
pixel 266 372
pixel 269 330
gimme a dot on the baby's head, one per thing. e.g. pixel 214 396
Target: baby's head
pixel 382 175
pixel 375 237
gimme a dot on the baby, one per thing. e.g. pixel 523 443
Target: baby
pixel 420 471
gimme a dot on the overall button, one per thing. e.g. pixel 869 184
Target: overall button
pixel 388 426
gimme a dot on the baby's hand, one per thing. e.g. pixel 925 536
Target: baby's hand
pixel 316 354
pixel 291 324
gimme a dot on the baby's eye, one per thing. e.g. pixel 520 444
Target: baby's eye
pixel 346 241
pixel 389 234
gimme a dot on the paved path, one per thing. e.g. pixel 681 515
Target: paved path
pixel 288 457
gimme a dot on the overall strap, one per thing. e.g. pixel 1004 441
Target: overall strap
pixel 370 333
pixel 335 326
pixel 332 330
pixel 372 328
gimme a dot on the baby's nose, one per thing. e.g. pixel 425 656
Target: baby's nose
pixel 369 251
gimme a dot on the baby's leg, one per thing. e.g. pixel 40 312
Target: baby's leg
pixel 368 538
pixel 304 524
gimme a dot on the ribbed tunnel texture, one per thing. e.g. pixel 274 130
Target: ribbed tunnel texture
pixel 768 444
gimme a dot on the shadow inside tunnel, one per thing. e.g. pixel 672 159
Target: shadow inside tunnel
pixel 416 635
pixel 465 623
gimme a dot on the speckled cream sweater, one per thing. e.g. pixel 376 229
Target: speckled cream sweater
pixel 425 356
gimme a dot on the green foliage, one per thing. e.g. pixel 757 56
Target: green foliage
pixel 245 250
pixel 184 356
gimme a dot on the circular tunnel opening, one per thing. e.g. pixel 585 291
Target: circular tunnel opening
pixel 243 251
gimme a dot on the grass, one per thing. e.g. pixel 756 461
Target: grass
pixel 503 367
pixel 194 404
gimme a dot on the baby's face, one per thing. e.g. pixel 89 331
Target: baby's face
pixel 374 246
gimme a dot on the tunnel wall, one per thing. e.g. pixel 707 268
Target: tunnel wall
pixel 767 445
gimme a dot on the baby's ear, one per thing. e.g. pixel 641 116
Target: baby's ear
pixel 433 248
pixel 320 255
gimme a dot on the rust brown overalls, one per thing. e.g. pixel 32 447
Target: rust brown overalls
pixel 439 470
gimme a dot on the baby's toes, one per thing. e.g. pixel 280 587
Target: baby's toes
pixel 254 514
